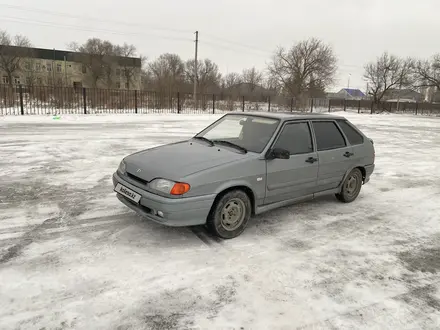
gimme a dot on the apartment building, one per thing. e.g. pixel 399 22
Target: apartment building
pixel 51 67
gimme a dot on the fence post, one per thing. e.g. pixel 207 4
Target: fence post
pixel 268 109
pixel 135 101
pixel 85 100
pixel 213 103
pixel 20 89
pixel 291 104
pixel 329 105
pixel 417 107
pixel 178 102
pixel 311 105
pixel 372 107
pixel 359 106
pixel 345 104
pixel 243 104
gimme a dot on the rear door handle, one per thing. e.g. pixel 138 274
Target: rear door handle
pixel 348 154
pixel 311 160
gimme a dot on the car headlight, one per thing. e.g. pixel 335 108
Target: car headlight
pixel 122 167
pixel 169 187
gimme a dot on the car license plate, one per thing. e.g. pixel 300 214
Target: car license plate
pixel 130 194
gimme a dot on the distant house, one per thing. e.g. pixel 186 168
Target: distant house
pixel 347 93
pixel 436 97
pixel 403 95
pixel 431 94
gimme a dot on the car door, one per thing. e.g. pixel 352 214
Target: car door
pixel 334 154
pixel 295 177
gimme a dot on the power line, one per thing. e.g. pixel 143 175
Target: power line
pixel 249 48
pixel 79 28
pixel 95 19
pixel 238 43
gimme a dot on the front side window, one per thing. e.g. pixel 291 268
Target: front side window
pixel 328 135
pixel 295 138
pixel 250 132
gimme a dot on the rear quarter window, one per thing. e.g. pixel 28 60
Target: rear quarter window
pixel 352 135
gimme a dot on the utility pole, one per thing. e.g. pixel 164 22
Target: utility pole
pixel 195 70
pixel 348 85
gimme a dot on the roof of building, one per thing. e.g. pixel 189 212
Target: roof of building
pixel 62 55
pixel 289 115
pixel 354 92
pixel 403 90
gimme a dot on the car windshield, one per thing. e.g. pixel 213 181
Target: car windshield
pixel 249 132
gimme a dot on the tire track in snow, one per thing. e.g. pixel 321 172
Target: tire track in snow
pixel 52 228
pixel 206 237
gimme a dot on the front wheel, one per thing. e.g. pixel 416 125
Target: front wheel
pixel 230 214
pixel 351 187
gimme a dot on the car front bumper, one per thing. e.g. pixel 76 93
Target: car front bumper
pixel 176 212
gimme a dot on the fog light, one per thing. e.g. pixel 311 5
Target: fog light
pixel 160 214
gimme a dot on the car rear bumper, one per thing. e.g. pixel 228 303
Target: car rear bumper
pixel 180 212
pixel 369 169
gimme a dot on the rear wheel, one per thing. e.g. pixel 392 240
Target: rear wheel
pixel 230 214
pixel 351 187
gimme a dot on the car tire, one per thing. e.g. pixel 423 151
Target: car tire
pixel 230 214
pixel 351 187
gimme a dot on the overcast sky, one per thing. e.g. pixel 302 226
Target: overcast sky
pixel 236 33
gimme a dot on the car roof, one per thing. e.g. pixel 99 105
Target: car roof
pixel 289 115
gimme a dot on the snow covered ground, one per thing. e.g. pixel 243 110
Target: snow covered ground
pixel 73 257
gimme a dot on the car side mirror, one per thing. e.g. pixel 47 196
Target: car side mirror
pixel 279 153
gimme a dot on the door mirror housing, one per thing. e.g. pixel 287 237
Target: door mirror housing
pixel 279 153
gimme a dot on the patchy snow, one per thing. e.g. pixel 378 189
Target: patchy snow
pixel 73 257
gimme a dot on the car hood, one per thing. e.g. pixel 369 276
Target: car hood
pixel 177 160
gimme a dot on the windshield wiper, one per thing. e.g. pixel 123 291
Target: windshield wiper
pixel 231 145
pixel 204 139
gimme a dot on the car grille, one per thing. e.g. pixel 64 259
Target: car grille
pixel 137 179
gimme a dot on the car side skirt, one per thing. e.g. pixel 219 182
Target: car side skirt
pixel 270 207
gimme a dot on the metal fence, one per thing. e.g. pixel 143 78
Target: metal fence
pixel 39 100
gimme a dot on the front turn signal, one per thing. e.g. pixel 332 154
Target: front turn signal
pixel 180 188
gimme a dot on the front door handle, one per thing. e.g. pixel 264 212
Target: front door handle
pixel 311 160
pixel 348 154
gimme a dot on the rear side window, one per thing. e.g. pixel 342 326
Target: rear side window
pixel 352 135
pixel 328 135
pixel 295 138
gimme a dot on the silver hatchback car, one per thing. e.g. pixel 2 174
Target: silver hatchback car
pixel 245 164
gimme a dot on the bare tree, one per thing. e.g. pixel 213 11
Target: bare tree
pixel 252 77
pixel 129 69
pixel 387 72
pixel 30 73
pixel 306 65
pixel 166 73
pixel 426 73
pixel 95 55
pixel 231 79
pixel 12 52
pixel 208 75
